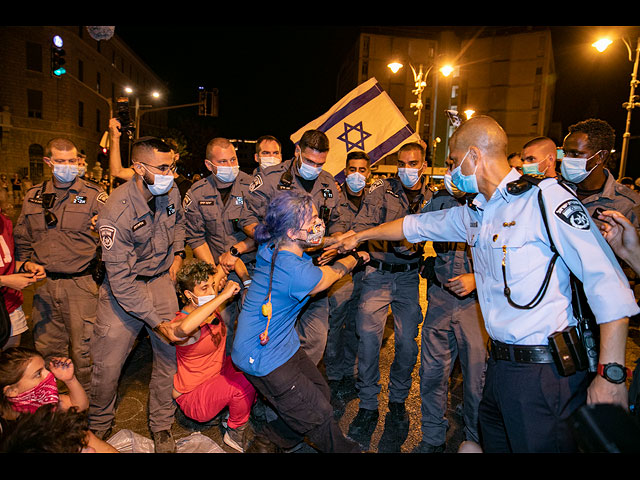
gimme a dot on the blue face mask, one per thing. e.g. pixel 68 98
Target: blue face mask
pixel 65 173
pixel 409 176
pixel 307 171
pixel 227 174
pixel 531 169
pixel 466 183
pixel 356 181
pixel 574 169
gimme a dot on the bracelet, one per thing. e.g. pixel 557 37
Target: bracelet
pixel 246 283
pixel 359 259
pixel 22 269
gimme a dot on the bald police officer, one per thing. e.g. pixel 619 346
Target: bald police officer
pixel 142 232
pixel 213 208
pixel 303 172
pixel 391 279
pixel 526 401
pixel 54 230
pixel 539 157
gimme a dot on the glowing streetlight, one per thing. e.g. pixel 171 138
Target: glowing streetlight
pixel 395 66
pixel 446 70
pixel 469 113
pixel 601 45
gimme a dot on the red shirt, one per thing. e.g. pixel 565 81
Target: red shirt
pixel 201 360
pixel 12 298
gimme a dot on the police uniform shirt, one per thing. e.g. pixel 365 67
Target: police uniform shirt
pixel 615 196
pixel 69 245
pixel 344 214
pixel 511 227
pixel 138 241
pixel 386 200
pixel 266 185
pixel 210 221
pixel 453 258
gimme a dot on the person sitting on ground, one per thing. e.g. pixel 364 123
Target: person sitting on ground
pixel 26 384
pixel 206 380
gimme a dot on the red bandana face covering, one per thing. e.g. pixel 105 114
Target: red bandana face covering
pixel 43 393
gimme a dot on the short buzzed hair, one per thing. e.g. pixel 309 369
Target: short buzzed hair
pixel 537 141
pixel 267 138
pixel 216 142
pixel 408 147
pixel 145 145
pixel 62 144
pixel 357 155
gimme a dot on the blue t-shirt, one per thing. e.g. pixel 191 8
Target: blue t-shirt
pixel 293 278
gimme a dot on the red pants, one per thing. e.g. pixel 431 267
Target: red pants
pixel 229 388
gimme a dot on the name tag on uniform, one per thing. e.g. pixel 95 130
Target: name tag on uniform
pixel 171 209
pixel 80 199
pixel 239 200
pixel 138 225
pixel 205 202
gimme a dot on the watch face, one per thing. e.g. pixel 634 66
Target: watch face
pixel 615 373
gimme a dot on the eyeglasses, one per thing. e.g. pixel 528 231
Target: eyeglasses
pixel 164 169
pixel 48 199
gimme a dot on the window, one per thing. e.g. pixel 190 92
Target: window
pixel 81 70
pixel 81 114
pixel 34 103
pixel 34 57
pixel 36 165
pixel 98 82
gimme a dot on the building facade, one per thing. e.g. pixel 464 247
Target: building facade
pixel 36 106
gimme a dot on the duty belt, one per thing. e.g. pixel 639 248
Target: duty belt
pixel 58 276
pixel 520 353
pixel 393 267
pixel 148 278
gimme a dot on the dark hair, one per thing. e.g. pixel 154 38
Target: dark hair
pixel 601 136
pixel 63 144
pixel 47 430
pixel 407 147
pixel 357 155
pixel 149 143
pixel 13 363
pixel 192 274
pixel 288 210
pixel 314 139
pixel 265 138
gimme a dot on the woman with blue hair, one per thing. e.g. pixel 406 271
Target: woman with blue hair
pixel 266 346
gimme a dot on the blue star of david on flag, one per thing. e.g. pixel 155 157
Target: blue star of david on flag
pixel 359 130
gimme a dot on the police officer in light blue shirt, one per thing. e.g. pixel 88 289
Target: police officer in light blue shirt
pixel 526 402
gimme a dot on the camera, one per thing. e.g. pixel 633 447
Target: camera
pixel 122 114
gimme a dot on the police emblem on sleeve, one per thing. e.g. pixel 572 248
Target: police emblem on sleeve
pixel 186 201
pixel 107 236
pixel 572 213
pixel 257 183
pixel 102 197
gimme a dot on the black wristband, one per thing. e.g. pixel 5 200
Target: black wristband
pixel 359 259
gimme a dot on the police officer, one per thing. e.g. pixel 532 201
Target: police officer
pixel 453 328
pixel 539 157
pixel 55 231
pixel 342 343
pixel 268 153
pixel 587 148
pixel 213 207
pixel 303 172
pixel 526 401
pixel 141 229
pixel 391 279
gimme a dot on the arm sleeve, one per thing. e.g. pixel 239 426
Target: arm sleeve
pixel 22 237
pixel 303 280
pixel 440 226
pixel 179 232
pixel 255 204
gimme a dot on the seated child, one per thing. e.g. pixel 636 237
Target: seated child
pixel 206 380
pixel 27 384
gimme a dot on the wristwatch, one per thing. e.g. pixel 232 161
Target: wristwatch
pixel 181 254
pixel 614 372
pixel 234 251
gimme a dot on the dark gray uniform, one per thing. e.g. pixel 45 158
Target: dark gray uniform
pixel 453 327
pixel 390 279
pixel 64 307
pixel 313 322
pixel 342 343
pixel 209 220
pixel 138 245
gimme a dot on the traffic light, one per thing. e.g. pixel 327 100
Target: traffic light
pixel 57 57
pixel 208 102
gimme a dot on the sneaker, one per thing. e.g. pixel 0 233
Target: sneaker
pixel 236 437
pixel 163 442
pixel 424 447
pixel 363 425
pixel 398 412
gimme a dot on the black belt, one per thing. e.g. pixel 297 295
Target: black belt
pixel 148 278
pixel 58 276
pixel 393 267
pixel 520 353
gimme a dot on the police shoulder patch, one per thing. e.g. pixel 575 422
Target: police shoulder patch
pixel 186 201
pixel 257 183
pixel 378 183
pixel 102 197
pixel 107 236
pixel 572 212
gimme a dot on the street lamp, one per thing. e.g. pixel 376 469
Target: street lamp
pixel 601 45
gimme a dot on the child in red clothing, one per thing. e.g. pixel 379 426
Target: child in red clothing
pixel 206 380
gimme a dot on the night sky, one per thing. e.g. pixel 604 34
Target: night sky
pixel 274 79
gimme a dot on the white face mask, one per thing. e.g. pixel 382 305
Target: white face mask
pixel 356 181
pixel 199 301
pixel 451 188
pixel 65 173
pixel 574 169
pixel 409 176
pixel 227 174
pixel 269 161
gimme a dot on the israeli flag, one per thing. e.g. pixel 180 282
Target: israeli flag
pixel 365 119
